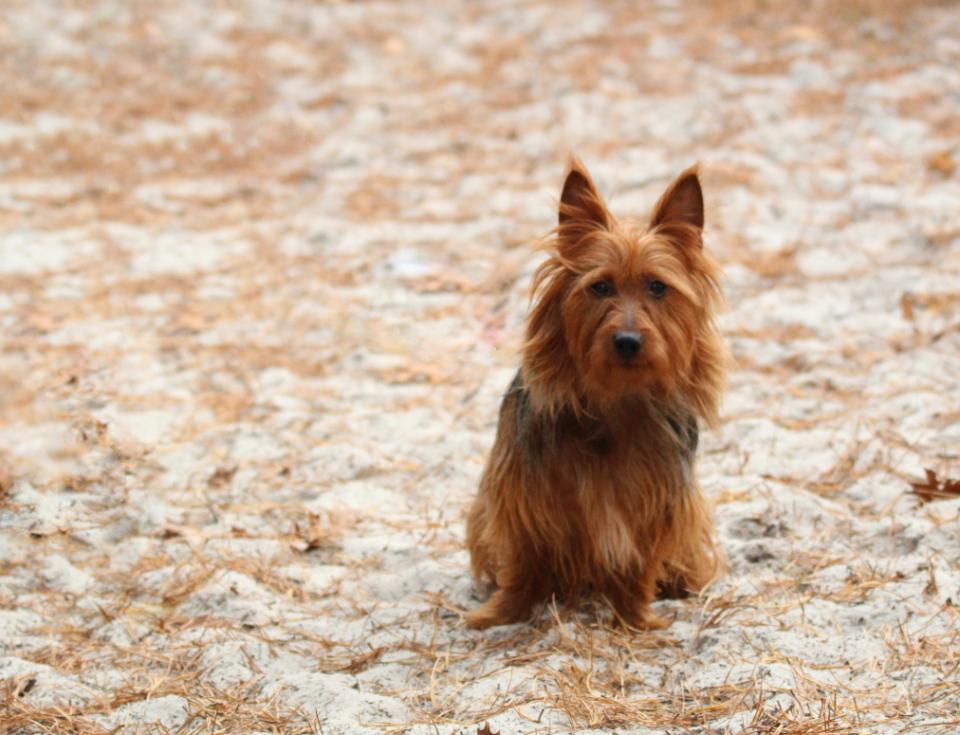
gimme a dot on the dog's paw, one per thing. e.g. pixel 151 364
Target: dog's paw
pixel 481 618
pixel 644 621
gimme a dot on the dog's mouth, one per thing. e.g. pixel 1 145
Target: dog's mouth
pixel 633 363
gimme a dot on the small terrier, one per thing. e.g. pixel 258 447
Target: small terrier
pixel 590 486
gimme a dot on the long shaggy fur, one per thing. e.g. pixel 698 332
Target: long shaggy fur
pixel 590 487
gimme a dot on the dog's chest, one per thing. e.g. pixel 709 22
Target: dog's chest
pixel 610 530
pixel 625 487
pixel 613 481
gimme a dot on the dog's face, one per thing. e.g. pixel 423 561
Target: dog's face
pixel 632 296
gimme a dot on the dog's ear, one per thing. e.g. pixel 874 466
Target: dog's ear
pixel 681 203
pixel 581 206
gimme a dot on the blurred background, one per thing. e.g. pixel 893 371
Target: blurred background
pixel 263 274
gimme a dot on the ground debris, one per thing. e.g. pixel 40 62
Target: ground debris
pixel 934 488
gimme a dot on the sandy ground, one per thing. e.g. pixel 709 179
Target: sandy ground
pixel 263 271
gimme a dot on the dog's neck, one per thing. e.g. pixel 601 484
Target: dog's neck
pixel 669 414
pixel 573 401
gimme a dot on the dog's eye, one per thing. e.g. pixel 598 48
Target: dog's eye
pixel 602 288
pixel 657 289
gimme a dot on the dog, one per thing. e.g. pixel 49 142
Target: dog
pixel 590 488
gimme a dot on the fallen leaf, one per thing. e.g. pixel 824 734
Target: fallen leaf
pixel 942 162
pixel 906 307
pixel 318 533
pixel 221 476
pixel 933 488
pixel 6 482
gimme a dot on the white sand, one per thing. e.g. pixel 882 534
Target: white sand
pixel 264 273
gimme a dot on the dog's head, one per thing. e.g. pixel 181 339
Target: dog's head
pixel 626 306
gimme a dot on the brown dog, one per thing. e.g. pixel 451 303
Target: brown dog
pixel 590 486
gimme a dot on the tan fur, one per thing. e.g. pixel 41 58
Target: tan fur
pixel 590 487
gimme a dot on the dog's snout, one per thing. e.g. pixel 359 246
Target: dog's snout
pixel 628 344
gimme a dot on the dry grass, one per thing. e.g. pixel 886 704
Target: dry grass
pixel 261 281
pixel 211 711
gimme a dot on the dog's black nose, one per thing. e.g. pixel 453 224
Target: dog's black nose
pixel 628 344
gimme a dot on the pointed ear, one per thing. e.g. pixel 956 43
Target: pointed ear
pixel 682 202
pixel 580 204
